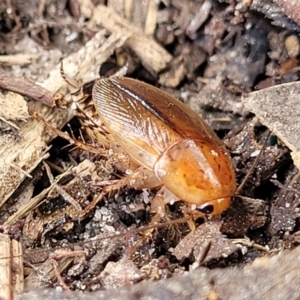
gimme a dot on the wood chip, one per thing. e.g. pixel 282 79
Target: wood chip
pixel 26 153
pixel 13 107
pixel 11 268
pixel 150 24
pixel 278 108
pixel 154 57
pixel 17 59
pixel 86 8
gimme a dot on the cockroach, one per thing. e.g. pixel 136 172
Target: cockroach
pixel 168 138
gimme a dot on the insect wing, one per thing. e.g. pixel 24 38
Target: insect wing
pixel 168 109
pixel 124 112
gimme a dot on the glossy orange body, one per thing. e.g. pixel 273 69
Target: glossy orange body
pixel 165 136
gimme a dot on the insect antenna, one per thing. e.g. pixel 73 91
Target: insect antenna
pixel 242 184
pixel 73 83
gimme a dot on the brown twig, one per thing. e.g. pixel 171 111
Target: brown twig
pixel 27 89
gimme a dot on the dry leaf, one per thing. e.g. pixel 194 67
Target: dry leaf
pixel 278 108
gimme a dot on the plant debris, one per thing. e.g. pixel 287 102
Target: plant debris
pixel 73 202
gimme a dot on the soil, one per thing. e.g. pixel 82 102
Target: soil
pixel 209 54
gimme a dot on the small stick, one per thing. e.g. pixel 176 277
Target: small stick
pixel 27 89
